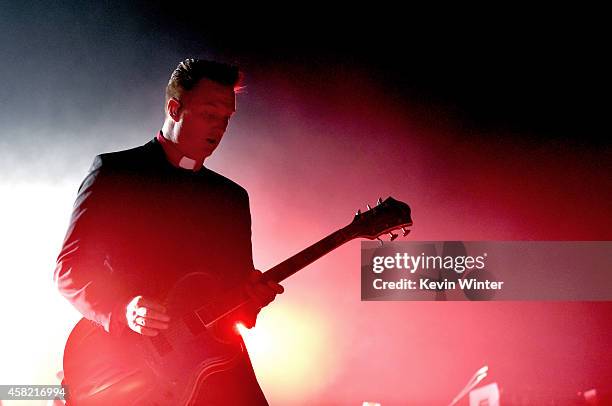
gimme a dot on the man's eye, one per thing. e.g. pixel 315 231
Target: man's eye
pixel 209 116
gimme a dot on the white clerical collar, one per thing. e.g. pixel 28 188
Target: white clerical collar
pixel 176 157
pixel 187 163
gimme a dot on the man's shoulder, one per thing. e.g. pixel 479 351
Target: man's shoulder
pixel 226 182
pixel 126 157
pixel 133 160
pixel 108 166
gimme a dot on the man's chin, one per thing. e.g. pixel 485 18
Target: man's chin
pixel 200 153
pixel 206 153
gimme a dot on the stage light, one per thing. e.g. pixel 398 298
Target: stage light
pixel 288 349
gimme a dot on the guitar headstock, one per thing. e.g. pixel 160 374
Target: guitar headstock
pixel 384 218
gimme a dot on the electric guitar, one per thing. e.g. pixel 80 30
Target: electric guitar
pixel 172 368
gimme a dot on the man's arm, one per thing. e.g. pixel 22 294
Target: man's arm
pixel 84 273
pixel 260 293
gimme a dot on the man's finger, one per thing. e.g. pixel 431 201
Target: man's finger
pixel 255 275
pixel 144 302
pixel 261 294
pixel 265 293
pixel 145 331
pixel 152 314
pixel 276 287
pixel 151 323
pixel 254 296
pixel 269 289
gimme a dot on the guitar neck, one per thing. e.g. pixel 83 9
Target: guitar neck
pixel 383 218
pixel 236 298
pixel 307 256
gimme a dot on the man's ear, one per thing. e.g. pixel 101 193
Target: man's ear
pixel 173 108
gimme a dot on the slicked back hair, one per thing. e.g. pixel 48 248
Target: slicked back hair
pixel 190 71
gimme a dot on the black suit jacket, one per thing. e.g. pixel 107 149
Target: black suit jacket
pixel 139 223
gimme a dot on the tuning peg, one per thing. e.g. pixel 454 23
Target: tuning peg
pixel 358 213
pixel 380 241
pixel 392 236
pixel 368 206
pixel 405 231
pixel 379 202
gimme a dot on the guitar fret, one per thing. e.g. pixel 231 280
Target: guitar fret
pixel 307 256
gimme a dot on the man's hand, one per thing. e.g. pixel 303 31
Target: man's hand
pixel 260 292
pixel 145 316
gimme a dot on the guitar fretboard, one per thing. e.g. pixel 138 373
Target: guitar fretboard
pixel 307 256
pixel 236 298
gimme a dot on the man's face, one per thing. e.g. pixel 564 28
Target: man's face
pixel 204 114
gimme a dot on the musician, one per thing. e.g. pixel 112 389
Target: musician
pixel 147 216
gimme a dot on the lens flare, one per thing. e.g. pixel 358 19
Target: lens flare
pixel 288 349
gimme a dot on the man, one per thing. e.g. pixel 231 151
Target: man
pixel 147 216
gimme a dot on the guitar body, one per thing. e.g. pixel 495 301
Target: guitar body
pixel 170 368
